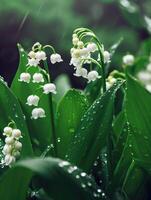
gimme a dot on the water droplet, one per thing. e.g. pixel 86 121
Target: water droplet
pixel 83 185
pixel 83 174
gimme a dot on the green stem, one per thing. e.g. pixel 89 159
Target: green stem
pixel 52 113
pixel 100 46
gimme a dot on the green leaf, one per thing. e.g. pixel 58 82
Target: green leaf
pixel 62 83
pixel 59 179
pixel 93 131
pixel 10 110
pixel 69 113
pixel 138 113
pixel 40 129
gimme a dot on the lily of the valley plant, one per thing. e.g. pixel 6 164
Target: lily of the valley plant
pixel 60 143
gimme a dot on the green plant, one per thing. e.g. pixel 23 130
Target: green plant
pixel 90 144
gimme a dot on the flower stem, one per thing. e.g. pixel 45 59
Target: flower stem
pixel 52 113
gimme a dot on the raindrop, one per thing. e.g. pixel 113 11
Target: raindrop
pixel 83 174
pixel 83 185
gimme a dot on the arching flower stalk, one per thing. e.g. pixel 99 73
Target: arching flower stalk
pixel 35 57
pixel 87 50
pixel 38 56
pixel 12 148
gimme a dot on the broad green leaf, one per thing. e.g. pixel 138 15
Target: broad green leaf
pixel 40 129
pixel 138 113
pixel 10 109
pixel 69 113
pixel 17 180
pixel 62 83
pixel 59 179
pixel 93 131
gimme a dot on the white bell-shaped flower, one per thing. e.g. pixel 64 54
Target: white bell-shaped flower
pixel 17 145
pixel 9 140
pixel 128 59
pixel 38 113
pixel 107 57
pixel 49 88
pixel 38 78
pixel 25 77
pixel 54 58
pixel 81 72
pixel 93 75
pixel 40 55
pixel 32 54
pixel 9 159
pixel 75 62
pixel 33 100
pixel 7 131
pixel 7 149
pixel 33 62
pixel 92 47
pixel 16 133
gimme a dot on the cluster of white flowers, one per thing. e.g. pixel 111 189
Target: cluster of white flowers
pixel 145 76
pixel 81 54
pixel 12 147
pixel 128 60
pixel 35 56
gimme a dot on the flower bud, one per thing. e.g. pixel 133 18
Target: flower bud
pixel 75 40
pixel 80 44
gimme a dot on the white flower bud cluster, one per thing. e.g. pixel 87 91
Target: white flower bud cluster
pixel 12 147
pixel 81 54
pixel 145 76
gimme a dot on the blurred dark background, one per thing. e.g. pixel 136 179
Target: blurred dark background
pixel 53 21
